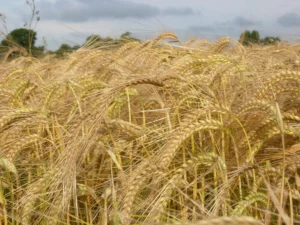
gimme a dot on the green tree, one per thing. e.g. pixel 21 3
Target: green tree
pixel 254 36
pixel 22 37
pixel 248 37
pixel 128 36
pixel 63 49
pixel 92 40
pixel 76 47
pixel 270 40
pixel 38 51
pixel 108 39
pixel 244 37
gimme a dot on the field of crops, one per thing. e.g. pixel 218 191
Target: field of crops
pixel 157 132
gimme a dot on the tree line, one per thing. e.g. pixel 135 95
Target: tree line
pixel 253 37
pixel 26 39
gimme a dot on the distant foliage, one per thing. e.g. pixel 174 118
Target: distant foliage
pixel 64 48
pixel 270 40
pixel 38 51
pixel 249 37
pixel 22 37
pixel 109 42
pixel 128 36
pixel 253 37
pixel 20 41
pixel 93 38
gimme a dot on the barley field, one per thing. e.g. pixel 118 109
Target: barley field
pixel 159 132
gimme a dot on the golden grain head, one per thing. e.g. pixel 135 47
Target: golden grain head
pixel 151 132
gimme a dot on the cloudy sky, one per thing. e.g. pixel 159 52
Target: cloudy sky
pixel 71 21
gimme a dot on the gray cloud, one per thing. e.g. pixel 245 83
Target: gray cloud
pixel 200 29
pixel 214 31
pixel 183 11
pixel 289 20
pixel 242 21
pixel 82 10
